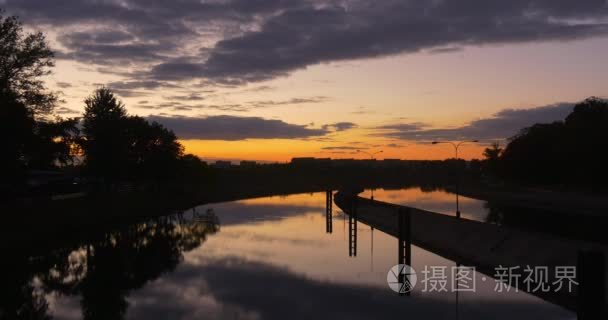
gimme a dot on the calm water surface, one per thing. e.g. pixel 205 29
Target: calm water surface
pixel 268 258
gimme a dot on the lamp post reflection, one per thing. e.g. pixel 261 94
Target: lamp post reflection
pixel 372 251
pixel 404 246
pixel 456 146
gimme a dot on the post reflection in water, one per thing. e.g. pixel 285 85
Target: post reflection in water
pixel 352 231
pixel 329 226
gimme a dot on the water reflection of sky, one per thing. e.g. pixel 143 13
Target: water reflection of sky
pixel 437 201
pixel 272 259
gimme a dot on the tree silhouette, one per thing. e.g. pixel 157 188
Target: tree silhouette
pixel 118 146
pixel 584 148
pixel 104 136
pixel 564 152
pixel 153 150
pixel 25 59
pixel 492 157
pixel 17 128
pixel 53 143
pixel 33 140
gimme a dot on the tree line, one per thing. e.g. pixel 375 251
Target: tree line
pixel 107 143
pixel 568 153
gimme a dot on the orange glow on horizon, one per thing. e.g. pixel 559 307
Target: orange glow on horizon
pixel 283 150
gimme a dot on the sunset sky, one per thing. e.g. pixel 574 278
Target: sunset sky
pixel 276 79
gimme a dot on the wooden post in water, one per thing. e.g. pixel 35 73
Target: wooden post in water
pixel 591 272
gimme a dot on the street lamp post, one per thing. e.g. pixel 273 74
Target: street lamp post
pixel 371 157
pixel 456 146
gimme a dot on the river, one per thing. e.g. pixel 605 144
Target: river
pixel 262 258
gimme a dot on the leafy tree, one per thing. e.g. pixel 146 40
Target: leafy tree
pixel 54 143
pixel 192 170
pixel 17 129
pixel 24 60
pixel 534 155
pixel 564 152
pixel 104 137
pixel 492 157
pixel 32 139
pixel 493 152
pixel 586 142
pixel 119 146
pixel 154 150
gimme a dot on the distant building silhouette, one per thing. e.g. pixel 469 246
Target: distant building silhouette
pixel 310 161
pixel 222 164
pixel 248 164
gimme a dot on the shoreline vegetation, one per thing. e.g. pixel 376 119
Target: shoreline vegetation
pixel 38 220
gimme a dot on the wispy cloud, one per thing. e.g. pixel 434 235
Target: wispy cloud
pixel 340 126
pixel 179 103
pixel 502 125
pixel 343 148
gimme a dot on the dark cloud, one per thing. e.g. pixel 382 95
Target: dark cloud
pixel 138 88
pixel 181 108
pixel 311 35
pixel 238 107
pixel 233 42
pixel 65 110
pixel 187 97
pixel 292 101
pixel 363 111
pixel 445 50
pixel 343 148
pixel 230 107
pixel 181 70
pixel 403 126
pixel 149 84
pixel 64 85
pixel 235 107
pixel 339 126
pixel 259 89
pixel 235 128
pixel 502 125
pixel 99 37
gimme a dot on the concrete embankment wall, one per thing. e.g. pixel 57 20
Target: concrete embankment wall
pixel 472 243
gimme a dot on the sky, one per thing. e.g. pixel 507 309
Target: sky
pixel 269 80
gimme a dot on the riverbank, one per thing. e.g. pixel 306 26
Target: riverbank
pixel 42 224
pixel 566 203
